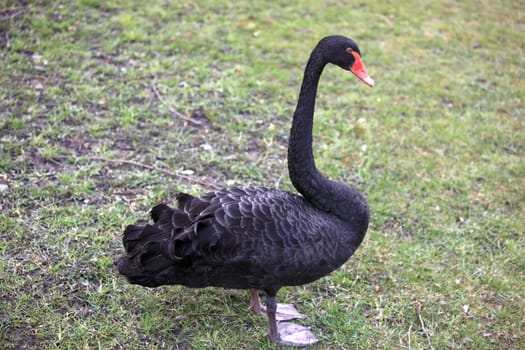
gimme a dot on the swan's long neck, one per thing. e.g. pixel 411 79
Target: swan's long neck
pixel 341 200
pixel 301 165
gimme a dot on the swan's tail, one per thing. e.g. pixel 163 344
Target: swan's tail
pixel 144 262
pixel 169 251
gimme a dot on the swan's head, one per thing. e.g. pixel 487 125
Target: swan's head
pixel 345 53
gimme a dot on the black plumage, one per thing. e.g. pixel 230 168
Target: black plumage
pixel 256 237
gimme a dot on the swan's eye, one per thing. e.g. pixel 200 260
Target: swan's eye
pixel 349 50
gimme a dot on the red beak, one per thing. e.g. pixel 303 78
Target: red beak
pixel 359 70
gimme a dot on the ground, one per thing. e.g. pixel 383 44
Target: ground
pixel 107 109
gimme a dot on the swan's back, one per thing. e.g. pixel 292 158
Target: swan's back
pixel 240 237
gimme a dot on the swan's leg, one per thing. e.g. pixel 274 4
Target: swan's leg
pixel 255 302
pixel 271 308
pixel 284 312
pixel 286 333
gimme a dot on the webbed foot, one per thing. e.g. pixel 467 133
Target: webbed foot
pixel 285 312
pixel 292 334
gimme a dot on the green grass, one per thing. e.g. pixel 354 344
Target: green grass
pixel 438 146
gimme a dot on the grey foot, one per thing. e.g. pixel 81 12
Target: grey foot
pixel 292 334
pixel 286 312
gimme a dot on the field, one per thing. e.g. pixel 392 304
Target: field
pixel 109 107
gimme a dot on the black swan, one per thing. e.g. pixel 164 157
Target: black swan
pixel 260 238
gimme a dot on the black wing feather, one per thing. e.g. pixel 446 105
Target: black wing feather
pixel 239 237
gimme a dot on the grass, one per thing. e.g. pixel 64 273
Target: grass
pixel 87 146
